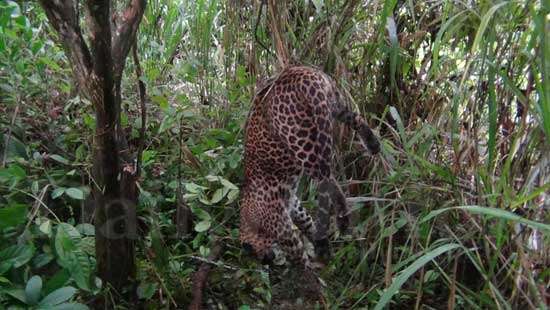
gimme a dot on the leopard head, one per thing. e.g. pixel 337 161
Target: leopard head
pixel 255 237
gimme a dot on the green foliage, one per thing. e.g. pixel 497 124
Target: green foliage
pixel 32 298
pixel 452 211
pixel 71 255
pixel 15 256
pixel 409 271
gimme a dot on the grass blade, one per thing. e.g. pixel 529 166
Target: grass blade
pixel 409 271
pixel 542 26
pixel 493 212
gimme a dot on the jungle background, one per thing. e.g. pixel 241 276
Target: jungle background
pixel 453 213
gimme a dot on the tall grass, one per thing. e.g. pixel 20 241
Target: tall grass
pixel 453 213
pixel 453 210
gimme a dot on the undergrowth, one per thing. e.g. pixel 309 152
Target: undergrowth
pixel 452 214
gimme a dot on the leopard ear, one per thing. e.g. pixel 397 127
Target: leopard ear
pixel 247 248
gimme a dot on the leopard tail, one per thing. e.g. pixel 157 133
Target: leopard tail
pixel 342 112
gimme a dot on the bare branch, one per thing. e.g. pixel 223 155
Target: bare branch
pixel 62 15
pixel 201 276
pixel 143 108
pixel 125 34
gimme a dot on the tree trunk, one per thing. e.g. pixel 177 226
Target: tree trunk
pixel 98 72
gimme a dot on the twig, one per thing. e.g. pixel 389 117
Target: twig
pixel 8 137
pixel 184 217
pixel 214 263
pixel 40 202
pixel 143 107
pixel 201 276
pixel 258 17
pixel 452 294
pixel 161 280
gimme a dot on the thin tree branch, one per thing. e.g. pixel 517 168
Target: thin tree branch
pixel 201 276
pixel 63 16
pixel 143 108
pixel 125 34
pixel 258 18
pixel 10 131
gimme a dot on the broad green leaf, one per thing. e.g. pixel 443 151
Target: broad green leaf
pixel 409 271
pixel 81 270
pixel 59 159
pixel 58 280
pixel 58 192
pixel 15 256
pixel 162 102
pixel 12 216
pixel 33 289
pixel 212 178
pixel 202 226
pixel 87 244
pixel 18 294
pixel 228 184
pixel 148 155
pixel 42 260
pixel 75 193
pixel 46 227
pixel 66 241
pixel 34 187
pixel 50 63
pixel 194 188
pixel 167 122
pixel 146 290
pixel 86 229
pixel 232 195
pixel 67 306
pixel 16 172
pixel 123 119
pixel 162 255
pixel 15 147
pixel 204 251
pixel 71 255
pixel 58 296
pixel 218 195
pixel 89 121
pixel 201 213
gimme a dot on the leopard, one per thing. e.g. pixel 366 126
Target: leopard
pixel 289 134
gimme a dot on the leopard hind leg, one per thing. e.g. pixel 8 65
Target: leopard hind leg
pixel 291 243
pixel 300 216
pixel 331 200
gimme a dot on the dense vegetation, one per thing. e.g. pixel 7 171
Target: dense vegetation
pixel 452 214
